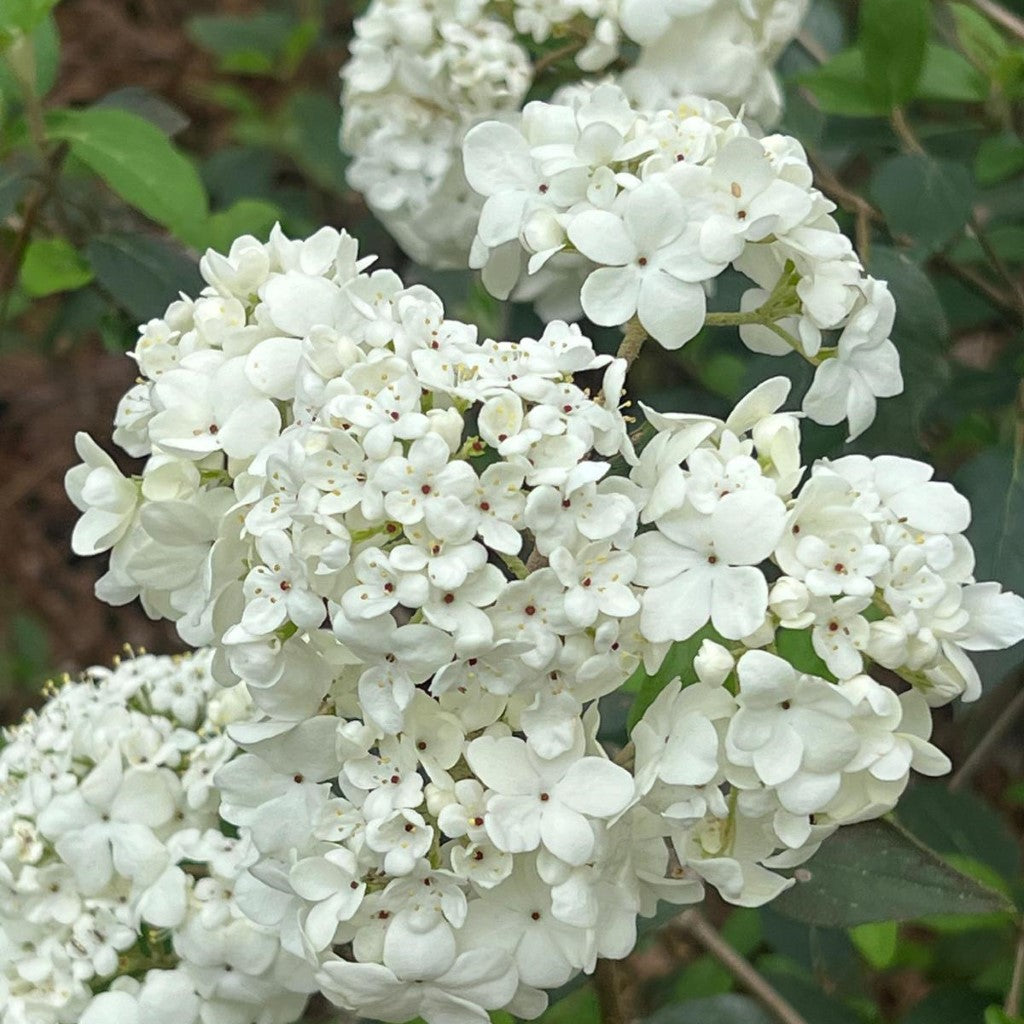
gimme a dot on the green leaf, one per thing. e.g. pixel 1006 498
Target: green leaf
pixel 997 1015
pixel 256 44
pixel 723 1009
pixel 876 871
pixel 307 130
pixel 245 217
pixel 954 1003
pixel 982 41
pixel 840 87
pixel 42 55
pixel 53 265
pixel 998 158
pixel 678 664
pixel 959 823
pixel 948 75
pixel 796 647
pixel 921 334
pixel 894 40
pixel 141 273
pixel 1007 241
pixel 137 161
pixel 877 942
pixel 928 199
pixel 579 1007
pixel 18 17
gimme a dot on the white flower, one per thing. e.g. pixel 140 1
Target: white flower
pixel 478 980
pixel 546 802
pixel 648 266
pixel 97 488
pixel 699 567
pixel 866 366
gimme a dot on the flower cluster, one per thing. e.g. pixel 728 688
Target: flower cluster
pixel 117 882
pixel 723 49
pixel 650 209
pixel 421 74
pixel 429 556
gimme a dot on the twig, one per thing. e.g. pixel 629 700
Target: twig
pixel 997 263
pixel 867 214
pixel 812 47
pixel 998 13
pixel 33 207
pixel 738 966
pixel 906 134
pixel 607 984
pixel 633 338
pixel 863 212
pixel 995 733
pixel 1012 1004
pixel 552 58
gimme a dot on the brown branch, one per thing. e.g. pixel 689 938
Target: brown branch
pixel 993 735
pixel 866 214
pixel 549 60
pixel 608 985
pixel 1000 14
pixel 1012 1004
pixel 738 966
pixel 633 337
pixel 33 207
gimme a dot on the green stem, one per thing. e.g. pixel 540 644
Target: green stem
pixel 516 566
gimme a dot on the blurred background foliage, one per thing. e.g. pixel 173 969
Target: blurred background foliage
pixel 135 133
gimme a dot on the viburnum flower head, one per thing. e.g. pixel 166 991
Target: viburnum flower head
pixel 421 74
pixel 434 570
pixel 653 207
pixel 117 877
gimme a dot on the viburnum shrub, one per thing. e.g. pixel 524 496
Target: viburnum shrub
pixel 429 555
pixel 122 891
pixel 422 74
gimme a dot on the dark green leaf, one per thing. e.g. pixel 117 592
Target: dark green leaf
pixel 876 871
pixel 997 536
pixel 807 998
pixel 921 335
pixel 723 1009
pixel 959 823
pixel 1006 240
pixel 841 87
pixel 143 274
pixel 894 39
pixel 52 265
pixel 155 109
pixel 255 44
pixel 13 186
pixel 948 1004
pixel 137 161
pixel 948 75
pixel 998 158
pixel 239 172
pixel 579 1007
pixel 928 199
pixel 308 133
pixel 678 664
